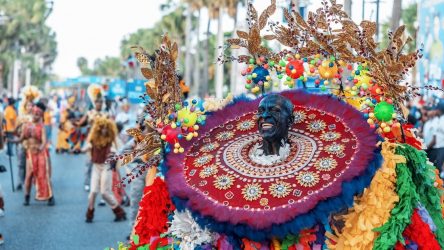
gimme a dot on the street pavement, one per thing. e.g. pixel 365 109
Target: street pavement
pixel 62 226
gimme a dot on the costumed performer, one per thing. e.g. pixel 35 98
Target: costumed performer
pixel 102 143
pixel 290 170
pixel 95 93
pixel 38 169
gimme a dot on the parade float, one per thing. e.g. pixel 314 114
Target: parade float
pixel 289 169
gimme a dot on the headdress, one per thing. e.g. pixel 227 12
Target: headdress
pixel 98 139
pixel 30 93
pixel 95 92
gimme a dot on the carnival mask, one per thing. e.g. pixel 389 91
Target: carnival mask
pixel 275 117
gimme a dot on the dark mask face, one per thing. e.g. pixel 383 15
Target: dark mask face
pixel 275 116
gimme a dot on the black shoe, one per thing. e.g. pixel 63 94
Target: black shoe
pixel 125 201
pixel 102 203
pixel 26 203
pixel 19 187
pixel 51 201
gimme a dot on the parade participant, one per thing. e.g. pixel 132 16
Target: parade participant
pixel 10 116
pixel 95 93
pixel 65 127
pixel 339 169
pixel 28 96
pixel 33 139
pixel 101 143
pixel 47 120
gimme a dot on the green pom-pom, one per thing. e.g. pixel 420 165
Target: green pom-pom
pixel 384 111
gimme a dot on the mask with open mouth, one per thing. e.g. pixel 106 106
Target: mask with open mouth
pixel 275 117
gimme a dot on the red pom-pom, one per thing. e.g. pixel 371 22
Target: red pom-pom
pixel 296 65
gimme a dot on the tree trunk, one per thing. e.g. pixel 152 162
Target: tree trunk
pixel 295 5
pixel 219 50
pixel 234 65
pixel 203 87
pixel 396 14
pixel 188 59
pixel 348 7
pixel 196 66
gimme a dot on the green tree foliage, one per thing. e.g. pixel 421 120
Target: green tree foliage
pixel 24 35
pixel 108 66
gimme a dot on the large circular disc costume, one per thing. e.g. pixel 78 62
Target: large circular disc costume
pixel 331 146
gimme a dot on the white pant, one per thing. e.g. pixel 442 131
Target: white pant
pixel 102 181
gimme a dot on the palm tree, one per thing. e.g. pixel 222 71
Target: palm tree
pixel 230 6
pixel 348 7
pixel 396 14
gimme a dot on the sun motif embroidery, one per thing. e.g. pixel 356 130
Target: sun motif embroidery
pixel 280 189
pixel 299 116
pixel 316 126
pixel 223 182
pixel 326 164
pixel 245 125
pixel 307 179
pixel 208 147
pixel 252 192
pixel 335 148
pixel 208 171
pixel 330 136
pixel 225 135
pixel 204 159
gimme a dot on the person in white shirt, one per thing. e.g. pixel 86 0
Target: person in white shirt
pixel 435 131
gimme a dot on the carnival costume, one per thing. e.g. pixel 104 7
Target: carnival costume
pixel 102 142
pixel 289 170
pixel 29 95
pixel 37 158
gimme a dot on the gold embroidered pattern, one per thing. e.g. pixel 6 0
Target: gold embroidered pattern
pixel 208 171
pixel 223 182
pixel 252 192
pixel 330 136
pixel 307 179
pixel 280 189
pixel 204 159
pixel 316 126
pixel 299 116
pixel 225 135
pixel 211 146
pixel 245 125
pixel 326 164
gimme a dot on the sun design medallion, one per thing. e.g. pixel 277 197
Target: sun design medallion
pixel 223 182
pixel 316 126
pixel 307 179
pixel 326 164
pixel 252 192
pixel 280 189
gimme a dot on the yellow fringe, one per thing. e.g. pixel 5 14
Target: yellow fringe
pixel 276 244
pixel 373 209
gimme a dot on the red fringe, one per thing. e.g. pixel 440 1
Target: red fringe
pixel 419 232
pixel 153 212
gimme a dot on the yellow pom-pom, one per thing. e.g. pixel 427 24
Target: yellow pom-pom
pixel 181 150
pixel 383 125
pixel 297 56
pixel 370 121
pixel 254 75
pixel 326 82
pixel 196 127
pixel 163 137
pixel 371 115
pixel 267 85
pixel 387 129
pixel 176 150
pixel 177 145
pixel 195 134
pixel 173 125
